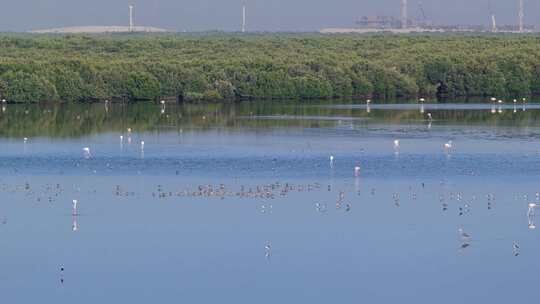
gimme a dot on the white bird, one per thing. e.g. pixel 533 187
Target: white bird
pixel 515 100
pixel 493 99
pixel 142 145
pixel 163 102
pixel 86 152
pixel 422 99
pixel 396 144
pixel 25 139
pixel 368 101
pixel 121 138
pixel 267 249
pixel 357 171
pixel 430 117
pixel 331 160
pixel 531 217
pixel 74 211
pixel 448 145
pixel 3 101
pixel 129 130
pixel 500 101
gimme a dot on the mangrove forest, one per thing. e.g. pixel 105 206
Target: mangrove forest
pixel 229 67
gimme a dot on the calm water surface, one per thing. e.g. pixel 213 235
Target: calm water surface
pixel 241 203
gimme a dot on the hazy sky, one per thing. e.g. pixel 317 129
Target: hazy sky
pixel 269 15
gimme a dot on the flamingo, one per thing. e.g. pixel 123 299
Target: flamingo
pixel 357 171
pixel 74 210
pixel 86 152
pixel 448 145
pixel 267 249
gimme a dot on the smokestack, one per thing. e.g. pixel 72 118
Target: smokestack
pixel 131 18
pixel 243 18
pixel 404 17
pixel 493 23
pixel 521 15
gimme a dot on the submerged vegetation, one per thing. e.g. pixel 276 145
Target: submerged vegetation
pixel 230 67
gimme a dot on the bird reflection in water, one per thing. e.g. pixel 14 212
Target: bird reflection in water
pixel 515 249
pixel 465 240
pixel 62 275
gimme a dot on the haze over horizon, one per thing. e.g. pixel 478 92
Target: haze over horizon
pixel 263 15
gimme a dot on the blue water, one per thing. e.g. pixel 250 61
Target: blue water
pixel 251 213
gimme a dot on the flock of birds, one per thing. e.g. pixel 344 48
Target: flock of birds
pixel 276 190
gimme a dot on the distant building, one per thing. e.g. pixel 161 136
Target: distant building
pixel 100 29
pixel 378 22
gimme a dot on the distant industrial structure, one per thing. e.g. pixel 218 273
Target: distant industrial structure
pixel 243 18
pixel 131 28
pixel 405 24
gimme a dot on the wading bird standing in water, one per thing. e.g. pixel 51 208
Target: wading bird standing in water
pixel 74 210
pixel 86 152
pixel 357 171
pixel 267 250
pixel 448 146
pixel 531 214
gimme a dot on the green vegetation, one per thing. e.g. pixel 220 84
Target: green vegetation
pixel 230 67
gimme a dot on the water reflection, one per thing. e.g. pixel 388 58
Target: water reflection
pixel 204 206
pixel 76 120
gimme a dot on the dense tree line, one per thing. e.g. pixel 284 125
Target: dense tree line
pixel 229 67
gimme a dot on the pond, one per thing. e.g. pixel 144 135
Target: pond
pixel 269 202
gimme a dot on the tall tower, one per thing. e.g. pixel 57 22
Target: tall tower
pixel 404 16
pixel 131 18
pixel 493 23
pixel 521 15
pixel 243 18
